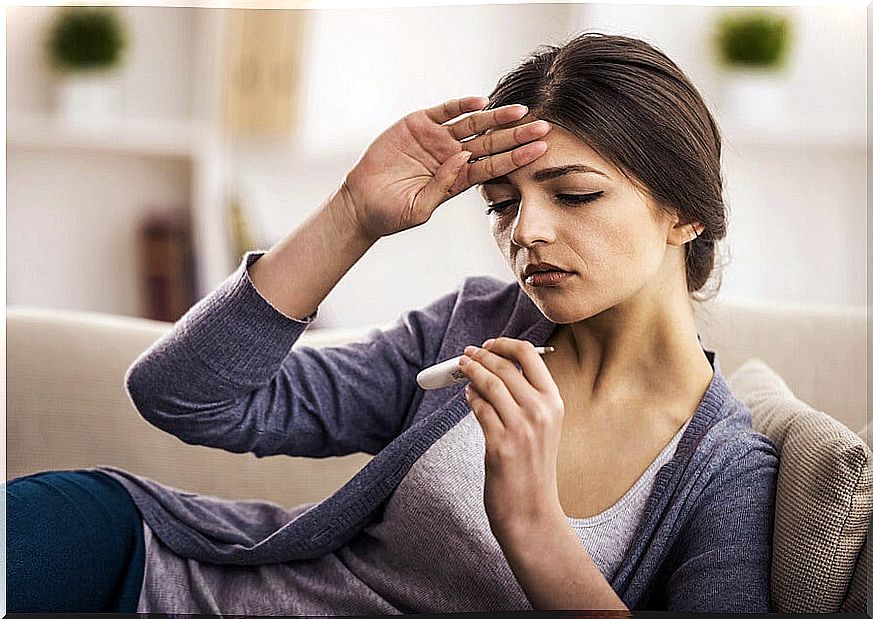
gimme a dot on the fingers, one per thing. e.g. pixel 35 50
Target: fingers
pixel 447 110
pixel 532 364
pixel 497 379
pixel 444 184
pixel 486 414
pixel 502 367
pixel 480 122
pixel 494 389
pixel 503 163
pixel 501 140
pixel 493 152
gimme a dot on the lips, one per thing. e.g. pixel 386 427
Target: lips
pixel 547 278
pixel 541 267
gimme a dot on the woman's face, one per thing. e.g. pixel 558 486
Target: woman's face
pixel 590 220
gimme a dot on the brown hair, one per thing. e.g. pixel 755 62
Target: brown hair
pixel 631 104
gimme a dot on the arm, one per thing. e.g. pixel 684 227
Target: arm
pixel 723 556
pixel 318 254
pixel 555 570
pixel 521 414
pixel 223 376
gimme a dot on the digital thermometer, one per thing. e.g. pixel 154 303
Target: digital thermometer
pixel 449 372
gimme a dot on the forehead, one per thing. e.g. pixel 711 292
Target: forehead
pixel 564 148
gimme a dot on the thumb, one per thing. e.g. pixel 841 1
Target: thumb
pixel 439 188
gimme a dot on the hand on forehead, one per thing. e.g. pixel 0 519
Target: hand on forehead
pixel 527 118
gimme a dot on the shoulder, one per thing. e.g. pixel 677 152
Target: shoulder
pixel 480 290
pixel 724 459
pixel 738 460
pixel 487 287
pixel 486 296
pixel 476 304
pixel 473 293
pixel 736 434
pixel 730 489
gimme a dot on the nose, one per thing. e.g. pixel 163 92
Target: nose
pixel 532 223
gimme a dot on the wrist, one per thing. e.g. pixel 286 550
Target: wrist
pixel 344 212
pixel 521 531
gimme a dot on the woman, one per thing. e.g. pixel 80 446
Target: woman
pixel 618 472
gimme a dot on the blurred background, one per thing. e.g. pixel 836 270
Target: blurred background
pixel 149 147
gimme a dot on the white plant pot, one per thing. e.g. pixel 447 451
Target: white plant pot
pixel 88 97
pixel 755 96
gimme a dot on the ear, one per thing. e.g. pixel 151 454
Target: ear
pixel 683 232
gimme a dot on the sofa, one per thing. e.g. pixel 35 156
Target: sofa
pixel 800 369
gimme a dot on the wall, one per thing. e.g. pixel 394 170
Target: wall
pixel 364 70
pixel 71 241
pixel 797 206
pixel 794 205
pixel 72 214
pixel 157 75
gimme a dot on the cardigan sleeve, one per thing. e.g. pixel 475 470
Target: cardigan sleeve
pixel 722 561
pixel 225 376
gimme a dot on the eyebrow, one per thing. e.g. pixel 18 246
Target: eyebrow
pixel 547 174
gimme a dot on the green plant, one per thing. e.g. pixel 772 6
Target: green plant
pixel 86 39
pixel 752 38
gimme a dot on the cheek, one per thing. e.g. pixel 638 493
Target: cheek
pixel 603 241
pixel 617 248
pixel 500 232
pixel 625 242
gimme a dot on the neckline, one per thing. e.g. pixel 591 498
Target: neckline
pixel 540 328
pixel 712 408
pixel 613 510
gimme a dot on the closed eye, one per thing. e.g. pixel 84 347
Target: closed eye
pixel 567 198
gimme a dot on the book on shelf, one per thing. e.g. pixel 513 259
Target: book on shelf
pixel 242 239
pixel 166 265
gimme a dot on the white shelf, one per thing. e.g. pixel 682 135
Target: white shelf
pixel 795 132
pixel 135 136
pixel 149 137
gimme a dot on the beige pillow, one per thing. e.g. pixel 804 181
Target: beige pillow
pixel 823 497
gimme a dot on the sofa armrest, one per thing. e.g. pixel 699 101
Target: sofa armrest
pixel 67 408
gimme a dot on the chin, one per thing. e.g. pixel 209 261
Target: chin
pixel 567 308
pixel 562 313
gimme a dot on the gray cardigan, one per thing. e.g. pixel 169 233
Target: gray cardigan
pixel 226 376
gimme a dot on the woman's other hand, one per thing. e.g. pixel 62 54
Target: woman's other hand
pixel 521 413
pixel 421 161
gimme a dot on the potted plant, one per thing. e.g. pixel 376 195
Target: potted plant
pixel 752 47
pixel 85 48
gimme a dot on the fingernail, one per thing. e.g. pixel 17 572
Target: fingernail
pixel 524 108
pixel 487 343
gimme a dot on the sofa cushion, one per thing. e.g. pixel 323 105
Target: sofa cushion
pixel 859 590
pixel 824 494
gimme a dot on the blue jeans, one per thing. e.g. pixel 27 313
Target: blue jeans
pixel 74 543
